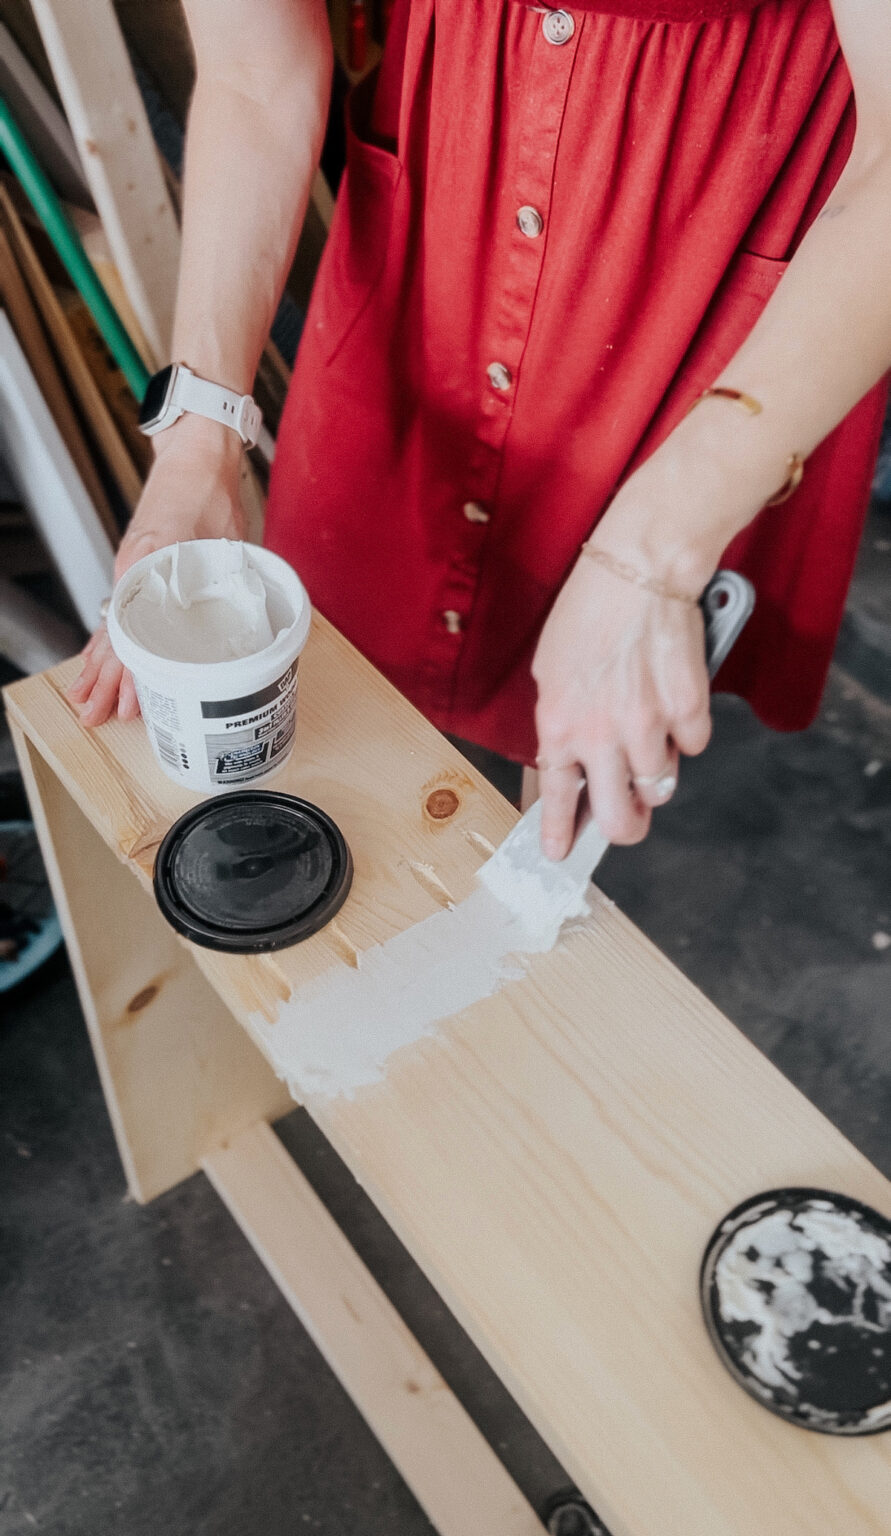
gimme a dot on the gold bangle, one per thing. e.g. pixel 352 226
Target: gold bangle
pixel 627 572
pixel 750 405
pixel 753 407
pixel 795 464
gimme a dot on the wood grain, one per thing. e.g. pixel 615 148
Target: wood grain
pixel 71 360
pixel 178 1073
pixel 104 108
pixel 16 300
pixel 456 1478
pixel 565 1150
pixel 557 1156
pixel 43 125
pixel 356 739
pixel 98 247
pixel 50 486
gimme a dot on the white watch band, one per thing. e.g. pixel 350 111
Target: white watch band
pixel 240 412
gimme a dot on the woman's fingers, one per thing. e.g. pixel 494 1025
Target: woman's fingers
pixel 623 690
pixel 192 492
pixel 652 756
pixel 692 732
pixel 80 688
pixel 128 703
pixel 654 772
pixel 103 698
pixel 559 784
pixel 91 661
pixel 619 814
pixel 686 702
pixel 103 686
pixel 97 688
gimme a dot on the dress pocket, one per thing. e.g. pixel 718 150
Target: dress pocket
pixel 742 294
pixel 356 250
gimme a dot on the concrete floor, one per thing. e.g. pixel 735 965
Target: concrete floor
pixel 151 1378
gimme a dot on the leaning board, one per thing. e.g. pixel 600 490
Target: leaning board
pixel 555 1157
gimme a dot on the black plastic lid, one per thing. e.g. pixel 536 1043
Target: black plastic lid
pixel 252 871
pixel 796 1291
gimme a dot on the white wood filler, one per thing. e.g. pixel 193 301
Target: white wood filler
pixel 338 1033
pixel 200 601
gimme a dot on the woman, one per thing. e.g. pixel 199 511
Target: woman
pixel 557 230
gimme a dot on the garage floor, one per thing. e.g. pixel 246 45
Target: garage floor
pixel 151 1378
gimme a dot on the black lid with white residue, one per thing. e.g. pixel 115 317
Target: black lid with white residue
pixel 796 1290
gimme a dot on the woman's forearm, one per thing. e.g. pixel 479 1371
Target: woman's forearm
pixel 255 131
pixel 820 344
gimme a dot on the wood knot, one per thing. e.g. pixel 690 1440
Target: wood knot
pixel 142 999
pixel 441 804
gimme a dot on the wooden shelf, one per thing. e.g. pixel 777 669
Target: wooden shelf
pixel 555 1157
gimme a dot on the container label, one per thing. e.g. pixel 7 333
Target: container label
pixel 160 713
pixel 224 709
pixel 251 732
pixel 162 708
pixel 171 751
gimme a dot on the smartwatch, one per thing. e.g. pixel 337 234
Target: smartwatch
pixel 176 389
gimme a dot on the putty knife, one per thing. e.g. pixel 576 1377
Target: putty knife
pixel 536 888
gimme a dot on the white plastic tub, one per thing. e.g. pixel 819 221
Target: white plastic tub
pixel 213 724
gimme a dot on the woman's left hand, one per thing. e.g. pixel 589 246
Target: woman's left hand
pixel 622 691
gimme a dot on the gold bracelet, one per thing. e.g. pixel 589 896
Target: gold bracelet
pixel 750 405
pixel 795 465
pixel 753 407
pixel 627 572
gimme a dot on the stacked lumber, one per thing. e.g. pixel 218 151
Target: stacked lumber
pixel 74 460
pixel 76 374
pixel 87 86
pixel 72 94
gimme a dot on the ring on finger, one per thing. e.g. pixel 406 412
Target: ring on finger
pixel 662 784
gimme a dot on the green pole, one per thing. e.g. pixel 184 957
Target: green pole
pixel 68 245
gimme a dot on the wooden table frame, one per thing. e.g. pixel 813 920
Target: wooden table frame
pixel 554 1158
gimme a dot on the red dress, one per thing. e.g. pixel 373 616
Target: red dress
pixel 552 234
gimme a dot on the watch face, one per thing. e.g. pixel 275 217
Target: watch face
pixel 155 397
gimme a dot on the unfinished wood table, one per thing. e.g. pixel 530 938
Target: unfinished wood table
pixel 555 1157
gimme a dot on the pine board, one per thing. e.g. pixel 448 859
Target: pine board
pixel 456 1477
pixel 103 105
pixel 555 1157
pixel 71 360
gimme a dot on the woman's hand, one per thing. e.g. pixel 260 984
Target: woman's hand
pixel 192 492
pixel 622 690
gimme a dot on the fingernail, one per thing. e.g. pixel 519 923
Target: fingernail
pixel 551 848
pixel 75 687
pixel 88 712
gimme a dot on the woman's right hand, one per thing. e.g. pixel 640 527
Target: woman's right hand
pixel 192 492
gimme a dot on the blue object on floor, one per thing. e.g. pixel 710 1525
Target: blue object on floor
pixel 27 914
